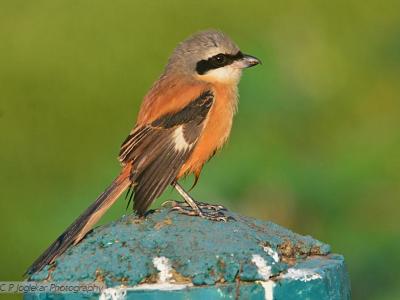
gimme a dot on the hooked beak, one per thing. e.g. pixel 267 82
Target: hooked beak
pixel 248 61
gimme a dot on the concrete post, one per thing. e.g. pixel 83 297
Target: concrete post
pixel 172 256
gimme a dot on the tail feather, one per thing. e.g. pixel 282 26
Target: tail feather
pixel 78 229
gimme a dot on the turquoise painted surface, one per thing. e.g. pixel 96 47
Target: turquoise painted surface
pixel 202 250
pixel 216 259
pixel 333 284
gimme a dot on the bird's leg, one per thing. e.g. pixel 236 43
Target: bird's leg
pixel 201 205
pixel 193 208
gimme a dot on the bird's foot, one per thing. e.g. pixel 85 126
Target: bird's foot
pixel 200 205
pixel 203 210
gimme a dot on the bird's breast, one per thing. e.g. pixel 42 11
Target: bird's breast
pixel 216 129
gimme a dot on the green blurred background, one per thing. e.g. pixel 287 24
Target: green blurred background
pixel 315 146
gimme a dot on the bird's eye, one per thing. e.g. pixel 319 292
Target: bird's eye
pixel 219 59
pixel 214 62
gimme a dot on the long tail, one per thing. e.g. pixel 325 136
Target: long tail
pixel 78 229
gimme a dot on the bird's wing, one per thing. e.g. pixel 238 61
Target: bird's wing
pixel 158 150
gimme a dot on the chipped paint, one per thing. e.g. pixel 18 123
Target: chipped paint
pixel 149 257
pixel 116 293
pixel 163 265
pixel 142 240
pixel 263 269
pixel 265 272
pixel 164 268
pixel 304 275
pixel 272 253
pixel 268 289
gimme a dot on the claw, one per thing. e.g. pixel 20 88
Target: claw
pixel 201 209
pixel 201 205
pixel 185 209
pixel 169 203
pixel 216 207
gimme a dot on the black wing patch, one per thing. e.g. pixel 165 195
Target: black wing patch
pixel 158 150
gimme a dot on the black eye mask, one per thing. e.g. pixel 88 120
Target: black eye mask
pixel 217 61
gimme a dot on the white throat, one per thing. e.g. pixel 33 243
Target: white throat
pixel 228 74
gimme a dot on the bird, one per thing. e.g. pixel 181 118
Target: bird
pixel 184 119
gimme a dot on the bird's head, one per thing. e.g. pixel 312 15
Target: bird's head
pixel 210 56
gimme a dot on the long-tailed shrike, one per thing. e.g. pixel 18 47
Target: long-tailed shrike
pixel 184 119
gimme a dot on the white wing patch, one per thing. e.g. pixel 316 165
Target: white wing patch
pixel 179 139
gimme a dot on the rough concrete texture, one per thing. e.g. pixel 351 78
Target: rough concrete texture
pixel 173 256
